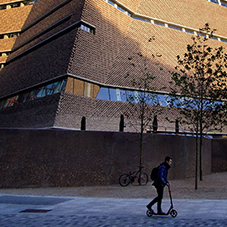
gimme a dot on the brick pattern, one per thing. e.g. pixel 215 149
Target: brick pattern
pixel 13 19
pixel 40 8
pixel 63 158
pixel 133 5
pixel 7 44
pixel 168 43
pixel 103 115
pixel 46 62
pixel 47 22
pixel 3 59
pixel 94 61
pixel 102 57
pixel 32 114
pixel 183 12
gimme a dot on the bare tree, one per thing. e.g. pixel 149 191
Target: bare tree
pixel 143 100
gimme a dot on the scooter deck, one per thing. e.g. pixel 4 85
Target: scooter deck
pixel 171 212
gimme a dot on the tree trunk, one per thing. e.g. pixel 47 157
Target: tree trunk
pixel 141 142
pixel 201 155
pixel 196 158
pixel 201 141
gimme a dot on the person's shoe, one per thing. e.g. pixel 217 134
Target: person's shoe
pixel 161 213
pixel 150 209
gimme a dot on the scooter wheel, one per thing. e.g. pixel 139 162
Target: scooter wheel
pixel 173 213
pixel 149 213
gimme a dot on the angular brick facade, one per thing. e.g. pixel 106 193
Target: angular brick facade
pixel 91 40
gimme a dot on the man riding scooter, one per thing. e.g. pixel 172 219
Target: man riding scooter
pixel 159 183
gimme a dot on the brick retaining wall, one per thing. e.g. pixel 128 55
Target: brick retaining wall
pixel 74 158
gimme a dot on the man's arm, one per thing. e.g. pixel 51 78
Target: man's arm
pixel 161 175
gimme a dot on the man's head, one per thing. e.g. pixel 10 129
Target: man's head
pixel 168 160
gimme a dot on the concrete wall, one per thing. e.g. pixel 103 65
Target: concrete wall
pixel 70 158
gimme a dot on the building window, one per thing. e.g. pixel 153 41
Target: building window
pixel 17 4
pixel 9 35
pixel 80 87
pixel 87 29
pixel 35 93
pixel 174 27
pixel 122 10
pixel 2 7
pixel 159 23
pixel 224 4
pixel 14 5
pixel 224 40
pixel 189 31
pixel 111 3
pixel 4 54
pixel 142 19
pixel 215 38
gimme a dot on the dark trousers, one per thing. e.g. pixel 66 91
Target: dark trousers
pixel 158 199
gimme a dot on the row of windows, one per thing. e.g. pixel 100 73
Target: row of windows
pixel 166 24
pixel 16 4
pixel 9 35
pixel 36 93
pixel 222 3
pixel 69 85
pixel 121 95
pixel 5 53
pixel 83 88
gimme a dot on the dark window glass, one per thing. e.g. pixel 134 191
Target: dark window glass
pixel 142 19
pixel 215 38
pixel 224 40
pixel 189 31
pixel 215 1
pixel 2 7
pixel 224 4
pixel 1 104
pixel 103 94
pixel 201 34
pixel 111 3
pixel 130 96
pixel 122 10
pixel 33 94
pixel 159 23
pixel 162 100
pixel 122 94
pixel 113 94
pixel 174 27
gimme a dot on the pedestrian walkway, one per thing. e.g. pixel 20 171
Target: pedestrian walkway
pixel 81 211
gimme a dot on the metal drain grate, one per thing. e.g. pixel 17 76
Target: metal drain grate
pixel 34 211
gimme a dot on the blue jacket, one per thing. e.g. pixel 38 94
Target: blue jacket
pixel 161 181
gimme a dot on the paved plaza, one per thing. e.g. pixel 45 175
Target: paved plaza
pixel 80 211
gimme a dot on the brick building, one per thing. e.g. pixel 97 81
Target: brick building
pixel 65 59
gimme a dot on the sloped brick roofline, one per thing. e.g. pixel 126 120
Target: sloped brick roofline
pixel 46 15
pixel 167 23
pixel 62 32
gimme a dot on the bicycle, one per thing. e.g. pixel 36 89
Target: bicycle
pixel 127 178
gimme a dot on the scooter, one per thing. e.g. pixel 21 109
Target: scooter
pixel 171 211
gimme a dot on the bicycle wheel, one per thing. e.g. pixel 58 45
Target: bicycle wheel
pixel 143 179
pixel 124 180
